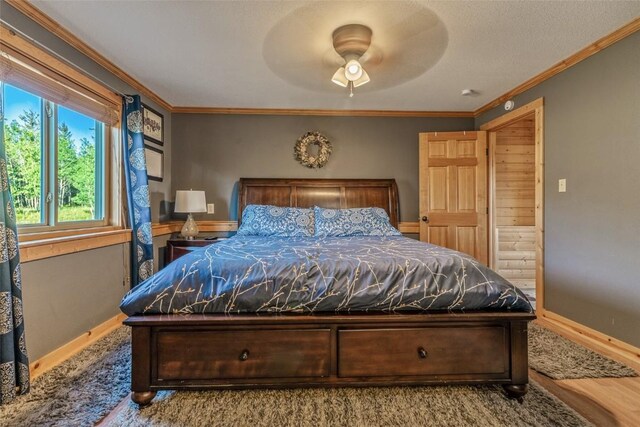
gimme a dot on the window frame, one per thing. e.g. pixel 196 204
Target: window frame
pixel 49 221
pixel 44 166
pixel 112 203
pixel 53 207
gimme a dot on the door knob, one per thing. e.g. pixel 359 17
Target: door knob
pixel 425 218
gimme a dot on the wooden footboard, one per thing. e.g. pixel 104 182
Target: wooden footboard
pixel 328 350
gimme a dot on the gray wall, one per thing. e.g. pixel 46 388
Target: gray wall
pixel 213 151
pixel 592 232
pixel 67 295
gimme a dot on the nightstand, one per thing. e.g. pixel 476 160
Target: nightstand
pixel 178 247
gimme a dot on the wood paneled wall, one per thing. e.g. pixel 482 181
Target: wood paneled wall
pixel 515 202
pixel 514 174
pixel 517 254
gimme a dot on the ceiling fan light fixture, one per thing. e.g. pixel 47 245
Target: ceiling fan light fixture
pixel 364 79
pixel 351 42
pixel 353 70
pixel 340 78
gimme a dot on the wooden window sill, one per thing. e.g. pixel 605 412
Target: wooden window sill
pixel 25 236
pixel 46 245
pixel 35 246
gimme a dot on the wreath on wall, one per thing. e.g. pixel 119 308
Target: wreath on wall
pixel 301 150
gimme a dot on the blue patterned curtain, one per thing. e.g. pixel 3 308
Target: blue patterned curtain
pixel 14 364
pixel 135 168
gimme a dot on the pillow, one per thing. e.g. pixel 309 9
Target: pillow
pixel 267 220
pixel 353 222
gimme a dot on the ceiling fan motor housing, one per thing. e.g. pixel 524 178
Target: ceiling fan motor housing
pixel 352 41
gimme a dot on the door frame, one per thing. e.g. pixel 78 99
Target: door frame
pixel 535 108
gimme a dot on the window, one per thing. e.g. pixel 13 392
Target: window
pixel 24 147
pixel 58 126
pixel 80 175
pixel 56 162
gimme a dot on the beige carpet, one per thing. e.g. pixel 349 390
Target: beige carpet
pixel 79 392
pixel 558 358
pixel 398 406
pixel 85 388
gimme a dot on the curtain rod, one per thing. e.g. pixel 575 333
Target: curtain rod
pixel 60 57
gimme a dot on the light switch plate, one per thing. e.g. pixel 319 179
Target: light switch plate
pixel 210 208
pixel 562 185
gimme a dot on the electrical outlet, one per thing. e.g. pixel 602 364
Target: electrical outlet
pixel 210 208
pixel 562 185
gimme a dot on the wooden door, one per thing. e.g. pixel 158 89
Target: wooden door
pixel 453 191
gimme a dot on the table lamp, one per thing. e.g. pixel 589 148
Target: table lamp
pixel 190 201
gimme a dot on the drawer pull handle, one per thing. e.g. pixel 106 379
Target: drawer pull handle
pixel 422 353
pixel 244 355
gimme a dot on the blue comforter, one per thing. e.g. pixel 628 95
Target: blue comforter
pixel 332 274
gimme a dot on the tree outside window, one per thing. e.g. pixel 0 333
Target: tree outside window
pixel 55 160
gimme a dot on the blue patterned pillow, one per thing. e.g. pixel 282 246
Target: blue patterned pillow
pixel 267 220
pixel 353 222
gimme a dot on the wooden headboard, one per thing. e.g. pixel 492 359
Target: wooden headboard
pixel 326 193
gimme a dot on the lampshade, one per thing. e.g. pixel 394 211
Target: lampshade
pixel 343 77
pixel 339 78
pixel 362 80
pixel 190 201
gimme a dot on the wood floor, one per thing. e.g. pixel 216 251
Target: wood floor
pixel 603 401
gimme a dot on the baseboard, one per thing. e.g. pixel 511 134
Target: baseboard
pixel 64 352
pixel 612 347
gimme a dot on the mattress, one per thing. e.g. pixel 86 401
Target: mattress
pixel 320 275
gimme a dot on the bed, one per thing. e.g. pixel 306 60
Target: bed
pixel 222 324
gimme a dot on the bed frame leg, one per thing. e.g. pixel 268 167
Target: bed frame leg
pixel 516 391
pixel 141 366
pixel 142 398
pixel 519 362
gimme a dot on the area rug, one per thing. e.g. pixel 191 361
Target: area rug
pixel 88 386
pixel 78 392
pixel 559 358
pixel 396 406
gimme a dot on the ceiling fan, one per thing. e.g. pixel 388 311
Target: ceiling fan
pixel 351 42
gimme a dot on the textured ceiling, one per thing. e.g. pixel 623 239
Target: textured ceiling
pixel 251 53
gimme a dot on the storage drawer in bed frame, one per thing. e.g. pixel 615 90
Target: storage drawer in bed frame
pixel 223 354
pixel 218 351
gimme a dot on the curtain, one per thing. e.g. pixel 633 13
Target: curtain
pixel 14 363
pixel 139 206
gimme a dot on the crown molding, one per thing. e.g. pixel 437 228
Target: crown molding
pixel 311 112
pixel 36 15
pixel 563 65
